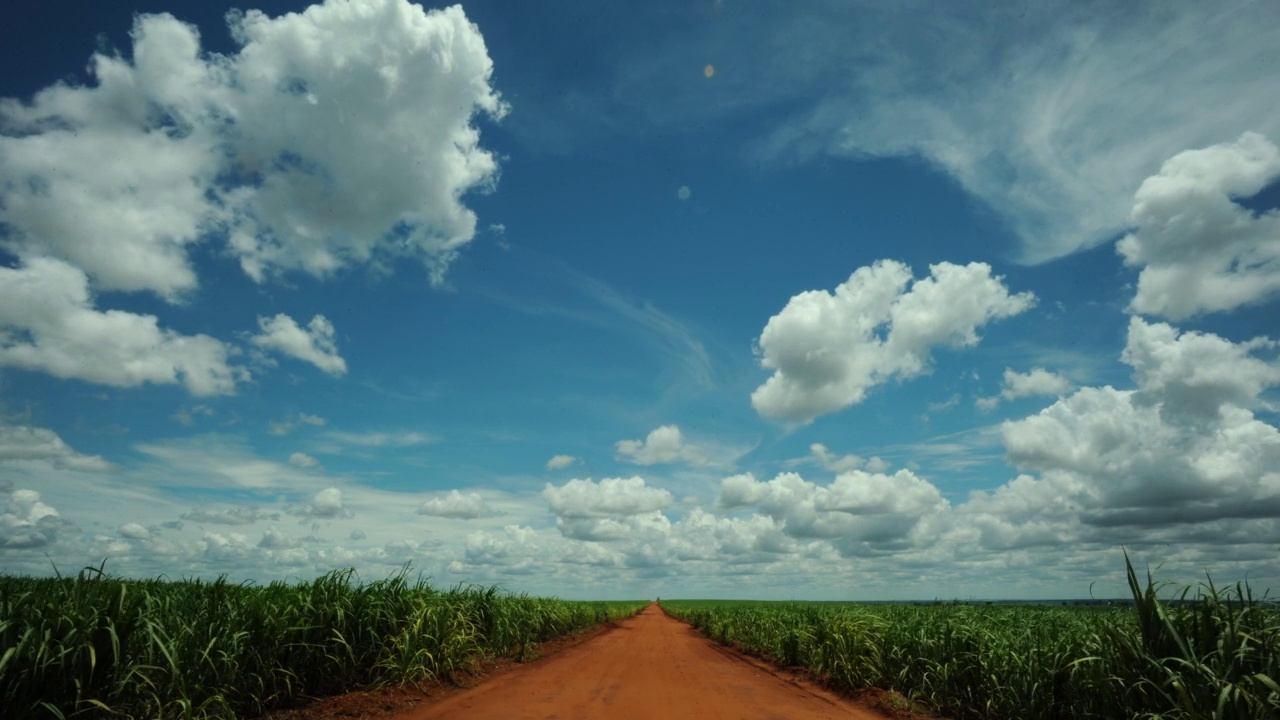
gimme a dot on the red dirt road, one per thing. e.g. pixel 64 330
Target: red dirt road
pixel 650 666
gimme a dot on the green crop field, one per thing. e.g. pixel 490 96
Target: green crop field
pixel 95 646
pixel 1215 654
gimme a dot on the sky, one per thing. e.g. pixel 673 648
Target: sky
pixel 697 298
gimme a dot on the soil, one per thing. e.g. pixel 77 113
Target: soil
pixel 647 666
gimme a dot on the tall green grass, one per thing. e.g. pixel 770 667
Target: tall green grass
pixel 1212 656
pixel 97 646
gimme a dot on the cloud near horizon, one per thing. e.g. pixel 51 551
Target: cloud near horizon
pixel 247 327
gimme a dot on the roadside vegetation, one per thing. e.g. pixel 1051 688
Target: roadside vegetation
pixel 1214 654
pixel 97 646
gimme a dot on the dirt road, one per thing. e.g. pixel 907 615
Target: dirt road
pixel 651 666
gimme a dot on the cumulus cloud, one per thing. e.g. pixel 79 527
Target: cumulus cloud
pixel 456 505
pixel 1026 512
pixel 516 545
pixel 1192 375
pixel 1019 385
pixel 134 531
pixel 48 323
pixel 859 512
pixel 315 344
pixel 664 444
pixel 1182 448
pixel 827 350
pixel 305 149
pixel 609 497
pixel 392 147
pixel 273 539
pixel 1199 251
pixel 327 504
pixel 26 522
pixel 560 462
pixel 21 442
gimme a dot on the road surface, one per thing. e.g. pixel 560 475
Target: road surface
pixel 650 666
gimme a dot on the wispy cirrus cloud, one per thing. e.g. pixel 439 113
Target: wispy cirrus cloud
pixel 600 305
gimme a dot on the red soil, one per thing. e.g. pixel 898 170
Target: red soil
pixel 649 666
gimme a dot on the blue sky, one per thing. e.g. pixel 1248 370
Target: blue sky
pixel 696 299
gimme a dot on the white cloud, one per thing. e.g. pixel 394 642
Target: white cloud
pixel 827 350
pixel 117 179
pixel 315 344
pixel 610 497
pixel 375 438
pixel 134 531
pixel 859 512
pixel 308 150
pixel 48 324
pixel 1198 250
pixel 832 462
pixel 327 504
pixel 230 516
pixel 1051 114
pixel 517 545
pixel 1183 448
pixel 21 442
pixel 391 147
pixel 456 505
pixel 288 425
pixel 1038 382
pixel 1192 375
pixel 273 539
pixel 560 462
pixel 26 522
pixel 187 416
pixel 601 305
pixel 303 460
pixel 639 527
pixel 664 444
pixel 877 465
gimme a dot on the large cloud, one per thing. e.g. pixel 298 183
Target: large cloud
pixel 611 496
pixel 1182 448
pixel 827 350
pixel 859 512
pixel 26 522
pixel 333 136
pixel 1198 249
pixel 390 148
pixel 48 323
pixel 22 442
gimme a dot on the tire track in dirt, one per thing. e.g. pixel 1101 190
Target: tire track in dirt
pixel 650 666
